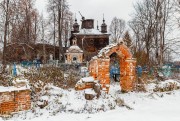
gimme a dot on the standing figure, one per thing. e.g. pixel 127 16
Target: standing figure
pixel 139 71
pixel 37 63
pixel 14 70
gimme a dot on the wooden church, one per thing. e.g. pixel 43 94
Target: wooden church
pixel 89 38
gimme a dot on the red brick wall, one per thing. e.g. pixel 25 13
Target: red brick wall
pixel 14 101
pixel 99 68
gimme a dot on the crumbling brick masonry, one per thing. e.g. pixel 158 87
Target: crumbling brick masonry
pixel 14 101
pixel 99 67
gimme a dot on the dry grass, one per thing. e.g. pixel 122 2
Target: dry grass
pixel 168 87
pixel 52 75
pixel 5 80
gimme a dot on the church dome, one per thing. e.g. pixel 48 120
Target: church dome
pixel 76 26
pixel 74 49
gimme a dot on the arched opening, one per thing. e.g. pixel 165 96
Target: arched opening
pixel 114 67
pixel 117 56
pixel 74 59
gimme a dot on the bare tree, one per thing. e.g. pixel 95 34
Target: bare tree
pixel 19 23
pixel 127 39
pixel 176 3
pixel 116 29
pixel 150 26
pixel 176 15
pixel 62 18
pixel 54 31
pixel 24 22
pixel 42 37
pixel 60 23
pixel 5 6
pixel 163 18
pixel 137 35
pixel 142 25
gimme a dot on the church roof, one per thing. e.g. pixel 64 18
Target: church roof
pixel 74 49
pixel 90 32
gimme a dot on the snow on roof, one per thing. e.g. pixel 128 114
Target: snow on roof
pixel 12 88
pixel 95 57
pixel 106 49
pixel 87 79
pixel 83 67
pixel 90 32
pixel 74 48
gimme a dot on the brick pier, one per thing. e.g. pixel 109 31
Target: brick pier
pixel 14 100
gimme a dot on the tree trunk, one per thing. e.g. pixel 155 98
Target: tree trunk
pixel 54 33
pixel 44 46
pixel 61 53
pixel 35 29
pixel 5 35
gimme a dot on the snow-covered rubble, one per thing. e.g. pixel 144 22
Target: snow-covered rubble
pixel 71 101
pixel 54 104
pixel 168 82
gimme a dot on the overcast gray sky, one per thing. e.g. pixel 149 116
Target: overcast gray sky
pixel 94 9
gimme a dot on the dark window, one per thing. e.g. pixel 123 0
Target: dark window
pixel 74 58
pixel 91 41
pixel 101 41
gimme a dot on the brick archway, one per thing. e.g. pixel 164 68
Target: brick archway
pixel 99 67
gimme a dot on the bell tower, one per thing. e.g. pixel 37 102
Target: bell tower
pixel 76 26
pixel 103 26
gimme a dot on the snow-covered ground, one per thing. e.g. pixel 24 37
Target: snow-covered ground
pixel 70 105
